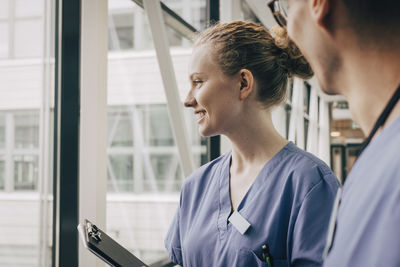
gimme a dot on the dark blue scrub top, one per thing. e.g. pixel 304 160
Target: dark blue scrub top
pixel 288 207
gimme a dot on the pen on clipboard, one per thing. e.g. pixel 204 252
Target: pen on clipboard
pixel 267 255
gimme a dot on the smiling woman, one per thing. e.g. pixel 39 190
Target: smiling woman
pixel 211 93
pixel 283 195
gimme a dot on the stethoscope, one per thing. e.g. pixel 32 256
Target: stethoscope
pixel 378 124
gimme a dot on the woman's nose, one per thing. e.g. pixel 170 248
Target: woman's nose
pixel 190 101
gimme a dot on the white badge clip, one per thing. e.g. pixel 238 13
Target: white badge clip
pixel 240 223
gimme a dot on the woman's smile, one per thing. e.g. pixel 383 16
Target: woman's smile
pixel 200 115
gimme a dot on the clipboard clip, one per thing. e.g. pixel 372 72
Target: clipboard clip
pixel 93 232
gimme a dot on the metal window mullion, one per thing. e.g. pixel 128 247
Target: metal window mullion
pixel 158 29
pixel 138 29
pixel 173 20
pixel 66 148
pixel 214 142
pixel 44 137
pixel 93 119
pixel 138 173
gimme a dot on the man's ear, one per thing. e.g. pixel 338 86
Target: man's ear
pixel 246 83
pixel 321 11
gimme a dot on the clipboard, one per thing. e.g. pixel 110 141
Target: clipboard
pixel 106 248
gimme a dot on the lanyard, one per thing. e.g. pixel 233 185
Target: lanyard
pixel 382 119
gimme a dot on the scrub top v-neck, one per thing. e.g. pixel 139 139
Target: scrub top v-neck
pixel 288 208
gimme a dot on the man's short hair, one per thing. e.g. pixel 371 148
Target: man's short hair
pixel 377 14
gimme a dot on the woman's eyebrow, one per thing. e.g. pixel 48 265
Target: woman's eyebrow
pixel 194 74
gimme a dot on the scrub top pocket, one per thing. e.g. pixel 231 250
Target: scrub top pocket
pixel 247 258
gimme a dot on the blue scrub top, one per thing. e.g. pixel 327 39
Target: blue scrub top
pixel 288 207
pixel 368 222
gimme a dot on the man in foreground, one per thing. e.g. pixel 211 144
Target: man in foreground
pixel 353 47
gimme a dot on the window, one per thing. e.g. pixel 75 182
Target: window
pixel 2 182
pixel 156 125
pixel 25 172
pixel 2 132
pixel 142 156
pixel 143 167
pixel 3 40
pixel 25 151
pixel 121 31
pixel 21 23
pixel 19 150
pixel 28 31
pixel 25 131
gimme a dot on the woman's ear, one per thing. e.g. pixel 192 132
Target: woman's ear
pixel 246 83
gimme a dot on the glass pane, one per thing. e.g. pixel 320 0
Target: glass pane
pixel 4 9
pixel 28 38
pixel 120 128
pixel 26 134
pixel 2 182
pixel 2 131
pixel 192 11
pixel 156 125
pixel 25 172
pixel 120 173
pixel 27 130
pixel 28 8
pixel 121 37
pixel 144 170
pixel 167 176
pixel 3 40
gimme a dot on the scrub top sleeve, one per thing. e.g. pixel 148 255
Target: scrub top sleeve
pixel 173 241
pixel 311 226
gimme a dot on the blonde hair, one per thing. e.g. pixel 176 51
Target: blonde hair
pixel 271 59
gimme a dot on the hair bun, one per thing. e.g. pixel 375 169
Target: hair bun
pixel 291 57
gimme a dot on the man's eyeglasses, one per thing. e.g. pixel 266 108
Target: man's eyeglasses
pixel 279 10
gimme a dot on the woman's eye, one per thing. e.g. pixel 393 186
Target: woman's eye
pixel 197 82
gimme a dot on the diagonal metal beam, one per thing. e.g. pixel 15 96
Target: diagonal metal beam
pixel 173 20
pixel 262 12
pixel 157 26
